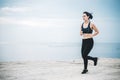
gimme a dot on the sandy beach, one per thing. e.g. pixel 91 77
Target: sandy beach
pixel 107 69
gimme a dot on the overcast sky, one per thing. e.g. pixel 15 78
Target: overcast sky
pixel 49 21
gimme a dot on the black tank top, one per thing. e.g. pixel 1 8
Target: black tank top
pixel 87 29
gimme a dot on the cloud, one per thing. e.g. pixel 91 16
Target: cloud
pixel 24 22
pixel 14 9
pixel 38 22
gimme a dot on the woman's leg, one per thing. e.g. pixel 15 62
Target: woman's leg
pixel 91 43
pixel 87 45
pixel 93 59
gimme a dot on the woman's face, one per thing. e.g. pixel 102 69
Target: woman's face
pixel 85 17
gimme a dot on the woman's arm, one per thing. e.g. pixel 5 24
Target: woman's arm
pixel 95 29
pixel 81 32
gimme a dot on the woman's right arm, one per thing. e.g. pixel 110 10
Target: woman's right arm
pixel 81 32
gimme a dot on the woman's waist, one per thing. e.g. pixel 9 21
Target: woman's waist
pixel 87 36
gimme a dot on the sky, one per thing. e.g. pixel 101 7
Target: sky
pixel 46 21
pixel 29 27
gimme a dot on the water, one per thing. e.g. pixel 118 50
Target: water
pixel 55 51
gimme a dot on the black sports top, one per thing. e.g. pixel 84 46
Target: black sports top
pixel 87 29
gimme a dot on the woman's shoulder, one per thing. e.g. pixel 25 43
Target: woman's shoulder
pixel 92 24
pixel 82 24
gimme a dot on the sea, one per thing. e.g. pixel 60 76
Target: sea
pixel 55 51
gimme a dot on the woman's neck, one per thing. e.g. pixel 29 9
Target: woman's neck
pixel 86 21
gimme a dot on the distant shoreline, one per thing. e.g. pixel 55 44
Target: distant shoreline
pixel 70 60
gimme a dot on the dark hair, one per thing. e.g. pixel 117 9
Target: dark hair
pixel 88 14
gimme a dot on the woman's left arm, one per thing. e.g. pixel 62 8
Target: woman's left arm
pixel 95 29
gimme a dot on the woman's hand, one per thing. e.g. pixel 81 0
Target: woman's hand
pixel 81 33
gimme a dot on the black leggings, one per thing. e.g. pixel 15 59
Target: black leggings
pixel 87 45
